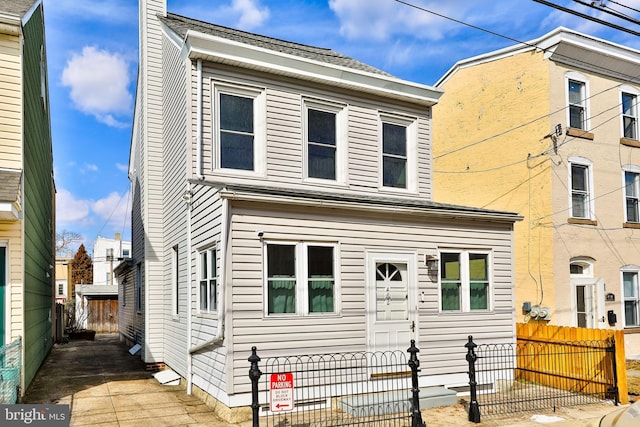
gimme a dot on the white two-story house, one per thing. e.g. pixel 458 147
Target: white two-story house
pixel 282 199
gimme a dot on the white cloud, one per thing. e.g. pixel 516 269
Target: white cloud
pixel 99 83
pixel 251 13
pixel 71 211
pixel 113 209
pixel 122 167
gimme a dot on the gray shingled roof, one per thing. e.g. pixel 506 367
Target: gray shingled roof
pixel 15 7
pixel 181 25
pixel 10 188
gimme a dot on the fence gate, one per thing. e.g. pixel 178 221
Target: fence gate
pixel 346 389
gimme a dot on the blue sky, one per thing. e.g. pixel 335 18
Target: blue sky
pixel 92 53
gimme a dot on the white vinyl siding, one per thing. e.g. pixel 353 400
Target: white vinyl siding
pixel 441 334
pixel 284 158
pixel 11 112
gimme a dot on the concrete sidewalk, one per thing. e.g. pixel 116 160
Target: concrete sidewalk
pixel 106 386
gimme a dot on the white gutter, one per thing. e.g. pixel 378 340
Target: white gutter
pixel 219 337
pixel 199 119
pixel 189 291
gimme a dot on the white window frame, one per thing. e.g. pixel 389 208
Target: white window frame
pixel 175 291
pixel 259 125
pixel 212 279
pixel 579 161
pixel 410 123
pixel 340 111
pixel 628 90
pixel 465 300
pixel 301 279
pixel 634 269
pixel 634 170
pixel 579 78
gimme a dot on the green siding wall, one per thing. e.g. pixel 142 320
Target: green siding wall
pixel 38 201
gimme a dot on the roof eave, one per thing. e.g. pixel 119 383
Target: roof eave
pixel 217 49
pixel 449 213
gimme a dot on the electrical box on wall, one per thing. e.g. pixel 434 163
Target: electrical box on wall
pixel 540 313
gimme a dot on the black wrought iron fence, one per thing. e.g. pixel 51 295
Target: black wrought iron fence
pixel 530 376
pixel 346 389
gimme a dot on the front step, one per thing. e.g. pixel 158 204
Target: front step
pixel 390 402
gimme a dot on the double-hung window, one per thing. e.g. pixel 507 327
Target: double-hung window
pixel 238 128
pixel 577 104
pixel 138 294
pixel 394 155
pixel 629 115
pixel 464 281
pixel 632 196
pixel 300 279
pixel 398 151
pixel 208 281
pixel 581 193
pixel 631 298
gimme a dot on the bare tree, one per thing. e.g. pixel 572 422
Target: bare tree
pixel 64 241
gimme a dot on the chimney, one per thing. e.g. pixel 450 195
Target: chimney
pixel 117 236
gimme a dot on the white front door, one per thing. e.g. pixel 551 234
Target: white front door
pixel 589 303
pixel 391 289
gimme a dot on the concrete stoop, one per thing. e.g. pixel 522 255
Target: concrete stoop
pixel 396 401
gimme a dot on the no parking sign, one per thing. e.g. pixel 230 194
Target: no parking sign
pixel 281 389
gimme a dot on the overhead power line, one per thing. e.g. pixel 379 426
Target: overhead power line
pixel 589 17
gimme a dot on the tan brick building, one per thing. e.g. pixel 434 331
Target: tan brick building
pixel 548 129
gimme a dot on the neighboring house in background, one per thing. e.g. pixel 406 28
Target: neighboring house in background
pixel 549 129
pixel 27 193
pixel 282 198
pixel 62 289
pixel 107 254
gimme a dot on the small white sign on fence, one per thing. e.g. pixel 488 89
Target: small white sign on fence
pixel 281 392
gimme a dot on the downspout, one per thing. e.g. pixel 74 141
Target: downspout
pixel 188 196
pixel 199 119
pixel 199 176
pixel 219 337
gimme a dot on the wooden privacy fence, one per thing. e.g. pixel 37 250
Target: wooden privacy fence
pixel 561 357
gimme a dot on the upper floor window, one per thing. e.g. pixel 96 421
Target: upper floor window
pixel 464 281
pixel 577 104
pixel 399 160
pixel 324 142
pixel 629 115
pixel 125 253
pixel 580 189
pixel 632 196
pixel 60 289
pixel 238 128
pixel 208 280
pixel 300 278
pixel 394 155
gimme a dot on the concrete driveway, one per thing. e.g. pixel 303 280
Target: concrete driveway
pixel 106 386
